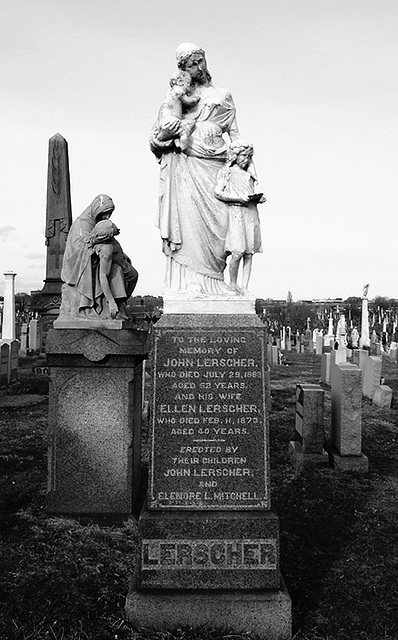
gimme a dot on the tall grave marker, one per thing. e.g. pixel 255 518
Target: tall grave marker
pixel 58 222
pixel 209 542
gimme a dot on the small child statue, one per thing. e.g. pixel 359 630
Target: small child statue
pixel 236 184
pixel 179 96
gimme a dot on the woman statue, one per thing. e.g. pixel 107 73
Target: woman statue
pixel 98 275
pixel 192 221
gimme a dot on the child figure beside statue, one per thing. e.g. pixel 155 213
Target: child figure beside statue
pixel 236 185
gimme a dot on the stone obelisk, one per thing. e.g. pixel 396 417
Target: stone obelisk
pixel 8 326
pixel 58 222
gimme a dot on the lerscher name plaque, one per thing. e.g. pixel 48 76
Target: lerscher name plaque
pixel 209 431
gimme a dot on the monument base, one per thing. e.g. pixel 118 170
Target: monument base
pixel 208 550
pixel 265 614
pixel 95 405
pixel 300 460
pixel 359 464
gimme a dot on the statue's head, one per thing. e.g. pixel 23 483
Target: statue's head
pixel 181 79
pixel 192 59
pixel 102 207
pixel 240 152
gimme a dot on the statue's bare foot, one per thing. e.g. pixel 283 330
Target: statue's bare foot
pixel 245 292
pixel 123 311
pixel 234 289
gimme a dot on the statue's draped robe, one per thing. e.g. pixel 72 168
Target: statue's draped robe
pixel 192 222
pixel 80 267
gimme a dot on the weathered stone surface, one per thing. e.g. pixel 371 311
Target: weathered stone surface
pixel 202 550
pixel 58 213
pixel 382 396
pixel 346 433
pixel 94 421
pixel 300 460
pixel 262 613
pixel 359 357
pixel 371 376
pixel 210 428
pixel 309 417
pixel 359 464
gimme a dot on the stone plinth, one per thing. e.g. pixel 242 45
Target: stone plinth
pixel 208 527
pixel 265 614
pixel 307 447
pixel 212 550
pixel 94 420
pixel 382 396
pixel 346 433
pixel 371 376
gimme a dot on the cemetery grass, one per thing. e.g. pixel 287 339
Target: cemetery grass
pixel 64 579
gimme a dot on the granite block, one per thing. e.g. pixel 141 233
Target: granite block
pixel 309 417
pixel 358 464
pixel 382 396
pixel 95 407
pixel 210 414
pixel 346 432
pixel 371 376
pixel 300 460
pixel 266 615
pixel 209 550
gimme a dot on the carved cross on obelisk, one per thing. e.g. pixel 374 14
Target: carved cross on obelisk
pixel 59 213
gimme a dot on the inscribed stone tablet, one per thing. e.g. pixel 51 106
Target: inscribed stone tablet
pixel 209 439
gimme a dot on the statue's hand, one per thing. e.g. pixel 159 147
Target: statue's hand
pixel 170 128
pixel 113 308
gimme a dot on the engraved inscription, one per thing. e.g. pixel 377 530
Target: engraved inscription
pixel 209 446
pixel 209 554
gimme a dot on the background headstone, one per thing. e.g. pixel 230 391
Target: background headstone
pixel 307 447
pixel 345 447
pixel 371 376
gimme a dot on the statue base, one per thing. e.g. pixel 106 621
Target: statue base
pixel 230 305
pixel 92 323
pixel 95 412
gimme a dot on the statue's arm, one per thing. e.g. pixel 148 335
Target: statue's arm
pixel 220 190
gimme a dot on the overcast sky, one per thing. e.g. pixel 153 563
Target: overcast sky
pixel 315 83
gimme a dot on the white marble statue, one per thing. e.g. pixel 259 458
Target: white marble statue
pixel 236 185
pixel 193 223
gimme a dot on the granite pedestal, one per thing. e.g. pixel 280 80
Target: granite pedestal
pixel 209 542
pixel 94 420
